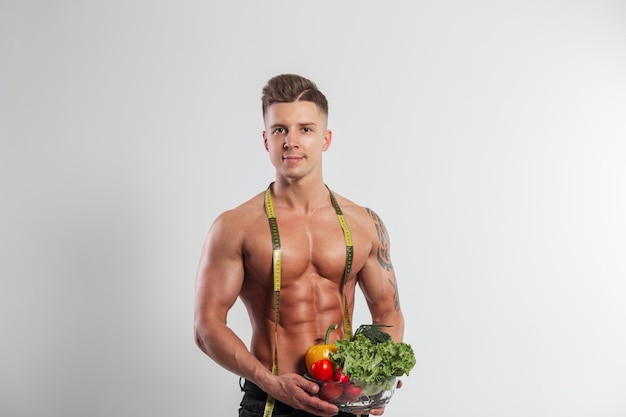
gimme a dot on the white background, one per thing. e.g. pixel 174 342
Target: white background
pixel 490 136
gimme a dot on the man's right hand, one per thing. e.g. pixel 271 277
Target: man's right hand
pixel 300 393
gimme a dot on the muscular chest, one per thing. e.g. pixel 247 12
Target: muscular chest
pixel 311 245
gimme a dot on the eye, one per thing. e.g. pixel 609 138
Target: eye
pixel 307 129
pixel 278 131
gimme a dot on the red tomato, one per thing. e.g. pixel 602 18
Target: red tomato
pixel 351 392
pixel 330 391
pixel 340 377
pixel 322 370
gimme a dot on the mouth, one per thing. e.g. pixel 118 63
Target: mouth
pixel 292 158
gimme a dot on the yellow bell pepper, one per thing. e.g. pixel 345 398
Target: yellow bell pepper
pixel 318 353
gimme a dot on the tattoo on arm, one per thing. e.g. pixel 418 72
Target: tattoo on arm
pixel 384 255
pixel 384 251
pixel 396 294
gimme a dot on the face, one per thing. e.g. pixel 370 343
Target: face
pixel 295 136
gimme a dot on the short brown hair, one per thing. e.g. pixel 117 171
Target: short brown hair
pixel 288 88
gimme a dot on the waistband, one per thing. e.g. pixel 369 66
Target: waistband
pixel 253 392
pixel 251 389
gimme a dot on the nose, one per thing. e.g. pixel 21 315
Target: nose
pixel 290 141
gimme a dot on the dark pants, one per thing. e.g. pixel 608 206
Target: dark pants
pixel 253 405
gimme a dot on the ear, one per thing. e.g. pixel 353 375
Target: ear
pixel 328 137
pixel 265 141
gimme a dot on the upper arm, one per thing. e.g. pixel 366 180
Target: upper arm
pixel 377 279
pixel 220 272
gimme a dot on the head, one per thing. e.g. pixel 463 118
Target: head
pixel 289 88
pixel 295 114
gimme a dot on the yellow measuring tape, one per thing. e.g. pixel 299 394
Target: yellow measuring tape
pixel 276 267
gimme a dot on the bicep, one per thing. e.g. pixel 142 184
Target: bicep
pixel 377 279
pixel 220 273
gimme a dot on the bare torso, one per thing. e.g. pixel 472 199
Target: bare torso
pixel 313 261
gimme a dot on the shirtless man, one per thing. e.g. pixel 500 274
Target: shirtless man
pixel 237 258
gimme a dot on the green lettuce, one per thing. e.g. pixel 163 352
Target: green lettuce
pixel 373 362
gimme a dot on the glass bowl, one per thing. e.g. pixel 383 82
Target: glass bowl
pixel 356 395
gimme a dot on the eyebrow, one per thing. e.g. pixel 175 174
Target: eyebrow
pixel 304 124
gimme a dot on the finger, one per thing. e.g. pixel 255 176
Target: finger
pixel 311 388
pixel 308 386
pixel 376 411
pixel 323 409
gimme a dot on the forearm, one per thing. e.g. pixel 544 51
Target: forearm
pixel 395 319
pixel 222 345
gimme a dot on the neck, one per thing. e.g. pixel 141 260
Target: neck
pixel 302 195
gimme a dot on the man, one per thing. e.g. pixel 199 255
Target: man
pixel 295 267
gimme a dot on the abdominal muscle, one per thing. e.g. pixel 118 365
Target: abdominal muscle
pixel 308 306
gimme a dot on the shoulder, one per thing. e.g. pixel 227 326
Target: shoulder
pixel 360 216
pixel 237 219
